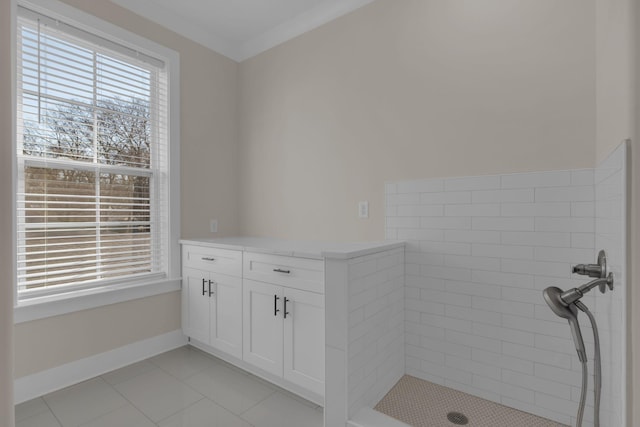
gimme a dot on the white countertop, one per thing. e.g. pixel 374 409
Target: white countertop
pixel 302 249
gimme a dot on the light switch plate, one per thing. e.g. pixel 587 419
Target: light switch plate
pixel 363 210
pixel 213 225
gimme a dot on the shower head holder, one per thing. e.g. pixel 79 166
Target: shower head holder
pixel 598 271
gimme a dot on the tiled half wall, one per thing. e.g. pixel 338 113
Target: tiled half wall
pixel 376 317
pixel 479 252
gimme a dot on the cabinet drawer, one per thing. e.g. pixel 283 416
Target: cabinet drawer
pixel 298 273
pixel 217 260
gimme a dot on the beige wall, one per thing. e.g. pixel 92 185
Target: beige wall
pixel 6 213
pixel 615 97
pixel 634 259
pixel 208 186
pixel 44 344
pixel 411 89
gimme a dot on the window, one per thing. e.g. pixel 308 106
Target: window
pixel 93 160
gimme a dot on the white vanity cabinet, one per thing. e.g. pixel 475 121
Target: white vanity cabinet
pixel 298 314
pixel 212 297
pixel 264 310
pixel 284 318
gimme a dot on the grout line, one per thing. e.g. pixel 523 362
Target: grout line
pixel 179 410
pixel 50 410
pixel 127 400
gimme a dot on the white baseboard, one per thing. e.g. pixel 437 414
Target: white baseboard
pixel 38 384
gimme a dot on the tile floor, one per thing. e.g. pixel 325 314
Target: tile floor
pixel 181 388
pixel 421 403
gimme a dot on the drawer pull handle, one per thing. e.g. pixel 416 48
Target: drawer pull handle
pixel 280 270
pixel 286 300
pixel 211 282
pixel 275 305
pixel 206 258
pixel 203 284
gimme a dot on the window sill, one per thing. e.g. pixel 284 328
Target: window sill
pixel 41 308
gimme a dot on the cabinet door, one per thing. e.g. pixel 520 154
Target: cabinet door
pixel 196 304
pixel 304 339
pixel 262 326
pixel 226 314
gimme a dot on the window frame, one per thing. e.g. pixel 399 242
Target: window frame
pixel 70 300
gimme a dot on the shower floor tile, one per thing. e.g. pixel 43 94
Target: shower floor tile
pixel 421 403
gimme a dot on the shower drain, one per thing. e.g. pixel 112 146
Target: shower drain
pixel 457 418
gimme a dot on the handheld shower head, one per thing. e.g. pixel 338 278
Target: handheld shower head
pixel 553 297
pixel 566 305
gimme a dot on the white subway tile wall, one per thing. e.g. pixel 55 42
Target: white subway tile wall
pixel 610 224
pixel 479 252
pixel 376 327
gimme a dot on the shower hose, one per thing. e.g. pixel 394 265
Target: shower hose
pixel 597 373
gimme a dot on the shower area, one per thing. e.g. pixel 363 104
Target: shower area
pixel 481 344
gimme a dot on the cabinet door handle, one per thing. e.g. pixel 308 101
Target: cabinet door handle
pixel 275 305
pixel 280 270
pixel 286 300
pixel 203 284
pixel 211 282
pixel 206 258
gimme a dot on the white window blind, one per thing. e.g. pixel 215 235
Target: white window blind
pixel 92 156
